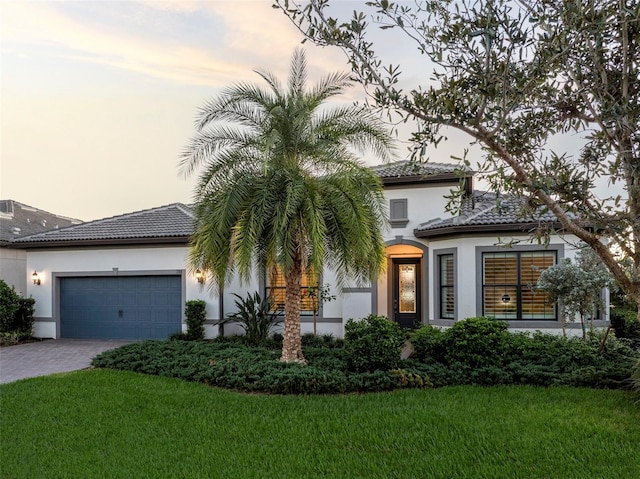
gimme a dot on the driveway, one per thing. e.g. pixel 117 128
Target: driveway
pixel 51 356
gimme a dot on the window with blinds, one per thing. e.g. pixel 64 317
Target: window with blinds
pixel 447 291
pixel 509 285
pixel 276 290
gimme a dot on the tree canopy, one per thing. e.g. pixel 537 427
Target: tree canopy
pixel 514 74
pixel 280 184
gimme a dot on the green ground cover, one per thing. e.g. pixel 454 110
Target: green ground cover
pixel 117 424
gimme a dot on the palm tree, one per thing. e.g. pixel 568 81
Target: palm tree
pixel 280 184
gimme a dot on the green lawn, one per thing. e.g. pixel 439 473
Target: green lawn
pixel 112 424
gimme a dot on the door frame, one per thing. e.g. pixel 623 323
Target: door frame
pixel 394 278
pixel 423 255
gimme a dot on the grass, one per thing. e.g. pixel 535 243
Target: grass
pixel 102 423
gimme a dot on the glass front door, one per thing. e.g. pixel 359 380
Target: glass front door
pixel 406 292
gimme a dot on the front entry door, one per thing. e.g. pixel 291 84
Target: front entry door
pixel 406 292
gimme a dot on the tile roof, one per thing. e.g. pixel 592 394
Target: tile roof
pixel 487 209
pixel 170 223
pixel 415 169
pixel 18 219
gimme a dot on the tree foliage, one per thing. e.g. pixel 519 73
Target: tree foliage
pixel 281 184
pixel 513 75
pixel 577 287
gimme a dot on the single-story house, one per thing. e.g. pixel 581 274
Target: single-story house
pixel 126 276
pixel 16 220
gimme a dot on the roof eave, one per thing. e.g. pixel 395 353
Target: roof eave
pixel 103 242
pixel 422 179
pixel 457 230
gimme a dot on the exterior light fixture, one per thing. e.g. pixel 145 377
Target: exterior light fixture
pixel 36 278
pixel 506 298
pixel 200 276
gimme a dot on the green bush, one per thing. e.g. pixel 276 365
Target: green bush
pixel 320 341
pixel 626 326
pixel 254 315
pixel 481 351
pixel 477 342
pixel 234 365
pixel 16 312
pixel 427 343
pixel 540 359
pixel 373 343
pixel 8 306
pixel 195 316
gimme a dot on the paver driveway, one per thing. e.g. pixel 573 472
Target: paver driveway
pixel 48 357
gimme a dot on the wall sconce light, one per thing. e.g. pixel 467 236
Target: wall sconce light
pixel 506 298
pixel 36 278
pixel 200 276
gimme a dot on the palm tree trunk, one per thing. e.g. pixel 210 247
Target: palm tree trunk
pixel 292 341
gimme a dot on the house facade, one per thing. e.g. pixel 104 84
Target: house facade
pixel 16 220
pixel 126 277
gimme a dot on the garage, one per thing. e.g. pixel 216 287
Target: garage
pixel 120 307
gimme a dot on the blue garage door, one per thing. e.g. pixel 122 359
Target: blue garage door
pixel 123 307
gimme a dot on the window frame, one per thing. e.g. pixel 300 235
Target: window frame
pixel 399 222
pixel 518 320
pixel 439 287
pixel 303 287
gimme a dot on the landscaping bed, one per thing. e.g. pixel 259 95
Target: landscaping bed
pixel 476 351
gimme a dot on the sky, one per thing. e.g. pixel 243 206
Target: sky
pixel 99 98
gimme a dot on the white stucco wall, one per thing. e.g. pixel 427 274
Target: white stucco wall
pixel 424 203
pixel 13 264
pixel 142 260
pixel 467 275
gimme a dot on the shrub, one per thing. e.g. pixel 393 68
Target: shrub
pixel 373 343
pixel 477 342
pixel 16 312
pixel 254 315
pixel 233 364
pixel 427 342
pixel 196 314
pixel 626 325
pixel 8 306
pixel 23 318
pixel 310 340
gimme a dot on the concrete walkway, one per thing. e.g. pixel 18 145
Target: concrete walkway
pixel 48 357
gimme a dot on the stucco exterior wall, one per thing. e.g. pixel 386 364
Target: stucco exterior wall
pixel 13 264
pixel 468 277
pixel 424 203
pixel 52 264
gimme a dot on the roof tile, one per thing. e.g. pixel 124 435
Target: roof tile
pixel 170 221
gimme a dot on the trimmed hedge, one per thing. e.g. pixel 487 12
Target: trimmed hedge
pixel 481 351
pixel 372 343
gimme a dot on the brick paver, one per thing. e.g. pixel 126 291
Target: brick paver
pixel 51 356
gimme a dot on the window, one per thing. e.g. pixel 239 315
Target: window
pixel 276 289
pixel 446 282
pixel 509 285
pixel 398 213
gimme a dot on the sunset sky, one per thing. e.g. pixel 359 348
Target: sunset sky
pixel 98 98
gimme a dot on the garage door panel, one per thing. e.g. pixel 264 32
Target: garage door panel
pixel 124 307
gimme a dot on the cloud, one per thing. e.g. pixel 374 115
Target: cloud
pixel 248 35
